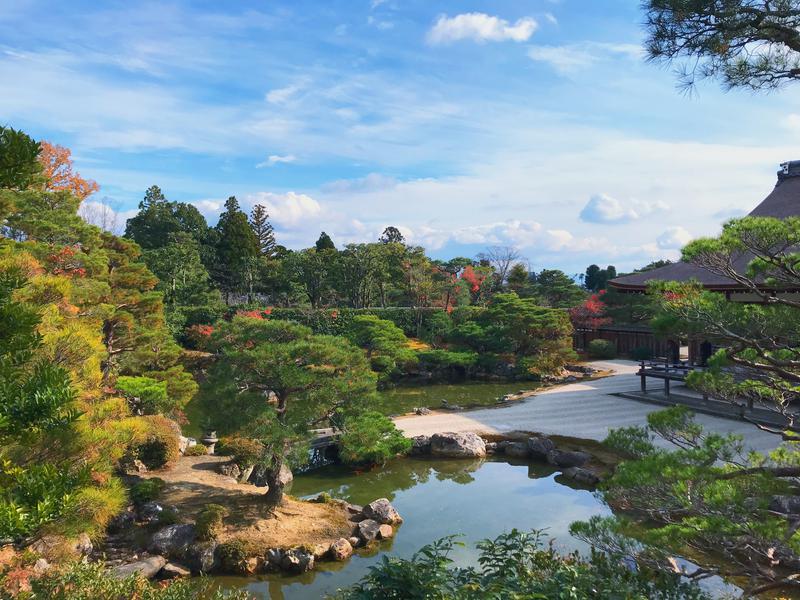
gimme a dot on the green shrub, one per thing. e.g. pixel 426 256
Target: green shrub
pixel 210 521
pixel 33 496
pixel 641 353
pixel 601 349
pixel 371 438
pixel 196 450
pixel 147 490
pixel 245 451
pixel 90 581
pixel 145 395
pixel 232 556
pixel 160 444
pixel 516 565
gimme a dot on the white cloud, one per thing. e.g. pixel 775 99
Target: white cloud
pixel 274 159
pixel 576 57
pixel 551 18
pixel 289 209
pixel 370 183
pixel 381 25
pixel 480 27
pixel 673 238
pixel 602 208
pixel 282 95
pixel 522 234
pixel 104 214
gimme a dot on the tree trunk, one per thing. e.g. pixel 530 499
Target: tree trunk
pixel 274 494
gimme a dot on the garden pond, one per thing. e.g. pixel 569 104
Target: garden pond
pixel 437 497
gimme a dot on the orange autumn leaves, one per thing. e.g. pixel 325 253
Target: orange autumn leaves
pixel 58 171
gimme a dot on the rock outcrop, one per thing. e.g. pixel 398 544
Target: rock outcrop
pixel 457 445
pixel 382 511
pixel 147 568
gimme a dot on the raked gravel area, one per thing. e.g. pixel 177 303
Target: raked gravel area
pixel 586 409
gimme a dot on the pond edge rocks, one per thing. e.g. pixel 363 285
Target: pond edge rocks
pixel 175 550
pixel 572 463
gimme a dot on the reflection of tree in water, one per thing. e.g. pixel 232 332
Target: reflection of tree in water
pixel 382 482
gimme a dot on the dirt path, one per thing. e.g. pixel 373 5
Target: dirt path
pixel 586 409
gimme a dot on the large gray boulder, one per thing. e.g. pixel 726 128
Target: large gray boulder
pixel 172 540
pixel 368 531
pixel 297 560
pixel 147 568
pixel 540 447
pixel 517 449
pixel 584 476
pixel 458 445
pixel 200 557
pixel 382 511
pixel 421 445
pixel 568 458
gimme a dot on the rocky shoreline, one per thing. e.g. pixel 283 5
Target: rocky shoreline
pixel 574 464
pixel 139 543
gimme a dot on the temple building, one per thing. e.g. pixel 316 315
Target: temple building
pixel 782 202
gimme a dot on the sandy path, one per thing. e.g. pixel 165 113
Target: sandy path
pixel 585 409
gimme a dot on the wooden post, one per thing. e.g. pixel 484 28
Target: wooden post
pixel 643 377
pixel 666 386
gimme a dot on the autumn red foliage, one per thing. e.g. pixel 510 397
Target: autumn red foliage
pixel 65 262
pixel 58 170
pixel 473 279
pixel 591 313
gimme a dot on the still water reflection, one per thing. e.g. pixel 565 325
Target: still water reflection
pixel 478 499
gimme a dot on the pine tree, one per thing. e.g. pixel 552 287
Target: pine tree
pixel 152 196
pixel 259 221
pixel 236 247
pixel 325 242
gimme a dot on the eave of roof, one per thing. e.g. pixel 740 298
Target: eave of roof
pixel 782 202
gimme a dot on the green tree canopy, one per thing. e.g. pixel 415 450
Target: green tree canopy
pixel 18 159
pixel 315 381
pixel 324 242
pixel 159 220
pixel 237 250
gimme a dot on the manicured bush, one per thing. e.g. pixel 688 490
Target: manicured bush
pixel 145 395
pixel 160 444
pixel 641 353
pixel 209 522
pixel 371 438
pixel 196 450
pixel 245 451
pixel 232 556
pixel 601 349
pixel 146 490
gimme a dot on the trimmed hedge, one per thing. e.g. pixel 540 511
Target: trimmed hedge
pixel 415 322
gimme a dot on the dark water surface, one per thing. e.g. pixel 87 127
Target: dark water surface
pixel 471 394
pixel 479 499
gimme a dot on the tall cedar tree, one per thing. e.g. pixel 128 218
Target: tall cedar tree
pixel 237 247
pixel 259 221
pixel 325 242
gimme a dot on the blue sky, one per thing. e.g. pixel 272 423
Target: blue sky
pixel 533 123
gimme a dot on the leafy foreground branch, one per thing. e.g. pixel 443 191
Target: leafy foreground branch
pixel 733 512
pixel 515 565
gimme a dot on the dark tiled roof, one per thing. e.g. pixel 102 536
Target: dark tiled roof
pixel 782 202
